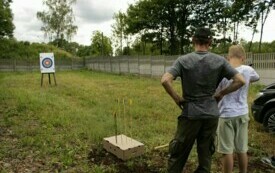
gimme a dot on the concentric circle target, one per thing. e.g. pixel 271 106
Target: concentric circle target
pixel 47 63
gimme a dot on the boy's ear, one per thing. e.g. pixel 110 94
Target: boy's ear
pixel 228 57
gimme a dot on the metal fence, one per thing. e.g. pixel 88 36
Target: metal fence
pixel 153 66
pixel 34 65
pixel 140 65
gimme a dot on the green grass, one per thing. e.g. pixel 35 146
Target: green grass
pixel 53 128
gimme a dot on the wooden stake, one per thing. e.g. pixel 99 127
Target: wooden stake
pixel 161 146
pixel 119 113
pixel 124 119
pixel 115 125
pixel 131 119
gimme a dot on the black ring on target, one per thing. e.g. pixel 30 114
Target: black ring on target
pixel 47 63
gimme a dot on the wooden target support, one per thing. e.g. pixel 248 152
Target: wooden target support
pixel 49 75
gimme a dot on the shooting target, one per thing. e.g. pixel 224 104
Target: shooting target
pixel 47 63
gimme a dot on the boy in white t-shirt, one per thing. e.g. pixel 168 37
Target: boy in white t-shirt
pixel 233 123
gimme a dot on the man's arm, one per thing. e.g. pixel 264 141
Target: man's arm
pixel 238 82
pixel 166 81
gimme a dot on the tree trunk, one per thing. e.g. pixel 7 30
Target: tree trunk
pixel 250 44
pixel 172 27
pixel 261 34
pixel 264 17
pixel 121 48
pixel 161 30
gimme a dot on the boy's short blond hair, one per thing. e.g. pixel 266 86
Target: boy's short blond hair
pixel 236 51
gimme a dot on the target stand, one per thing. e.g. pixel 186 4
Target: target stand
pixel 49 75
pixel 47 66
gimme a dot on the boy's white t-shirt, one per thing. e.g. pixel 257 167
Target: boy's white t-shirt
pixel 235 103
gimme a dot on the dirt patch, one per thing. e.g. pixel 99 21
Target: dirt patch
pixel 151 162
pixel 156 162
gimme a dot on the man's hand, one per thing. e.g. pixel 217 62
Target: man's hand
pixel 238 82
pixel 218 97
pixel 166 82
pixel 181 103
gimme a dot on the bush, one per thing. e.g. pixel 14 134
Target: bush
pixel 12 49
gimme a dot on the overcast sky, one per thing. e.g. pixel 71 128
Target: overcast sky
pixel 91 15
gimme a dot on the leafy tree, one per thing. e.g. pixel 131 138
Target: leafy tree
pixel 84 51
pixel 13 49
pixel 241 12
pixel 263 7
pixel 145 19
pixel 173 20
pixel 58 20
pixel 119 34
pixel 101 45
pixel 6 25
pixel 157 21
pixel 71 47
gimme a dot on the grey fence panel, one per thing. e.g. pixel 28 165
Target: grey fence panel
pixel 7 65
pixel 145 65
pixel 18 65
pixel 157 65
pixel 77 64
pixel 124 64
pixel 101 64
pixel 134 65
pixel 169 60
pixel 115 65
pixel 108 65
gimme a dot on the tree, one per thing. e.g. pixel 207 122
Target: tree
pixel 84 51
pixel 264 7
pixel 6 25
pixel 58 20
pixel 154 21
pixel 157 21
pixel 173 20
pixel 119 31
pixel 71 47
pixel 101 45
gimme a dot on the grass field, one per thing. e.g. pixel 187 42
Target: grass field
pixel 60 128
